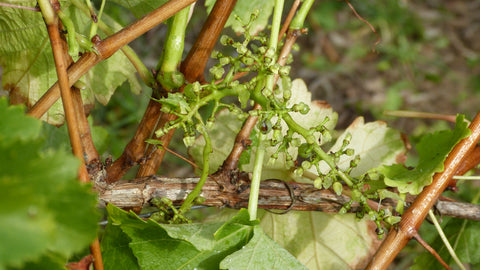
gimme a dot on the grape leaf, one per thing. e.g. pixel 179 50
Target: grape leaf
pixel 11 129
pixel 323 241
pixel 29 69
pixel 116 253
pixel 463 235
pixel 432 152
pixel 244 9
pixel 185 246
pixel 261 252
pixel 43 207
pixel 376 144
pixel 140 7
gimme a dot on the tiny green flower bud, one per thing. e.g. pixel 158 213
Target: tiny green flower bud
pixel 349 152
pixel 224 61
pixel 242 49
pixel 247 60
pixel 310 139
pixel 326 136
pixel 317 183
pixel 338 188
pixel 342 210
pixel 226 40
pixel 305 150
pixel 306 164
pixel 287 94
pixel 296 142
pixel 392 220
pixel 188 140
pixel 298 171
pixel 284 71
pixel 356 195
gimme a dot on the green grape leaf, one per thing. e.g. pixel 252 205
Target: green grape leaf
pixel 432 152
pixel 48 261
pixel 140 7
pixel 29 69
pixel 463 235
pixel 175 102
pixel 43 207
pixel 11 129
pixel 376 144
pixel 168 246
pixel 116 253
pixel 261 252
pixel 323 241
pixel 244 9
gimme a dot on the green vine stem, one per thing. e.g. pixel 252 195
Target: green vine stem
pixel 256 177
pixel 299 19
pixel 169 78
pixel 273 41
pixel 174 42
pixel 445 240
pixel 207 149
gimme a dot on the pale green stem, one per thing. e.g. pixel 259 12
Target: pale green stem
pixel 299 19
pixel 207 149
pixel 445 240
pixel 473 177
pixel 173 47
pixel 94 27
pixel 73 46
pixel 47 11
pixel 272 45
pixel 256 177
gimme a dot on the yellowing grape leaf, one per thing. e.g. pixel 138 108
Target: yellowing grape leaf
pixel 376 144
pixel 29 69
pixel 323 241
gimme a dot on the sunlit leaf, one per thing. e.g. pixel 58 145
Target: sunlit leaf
pixel 376 144
pixel 29 70
pixel 261 252
pixel 323 241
